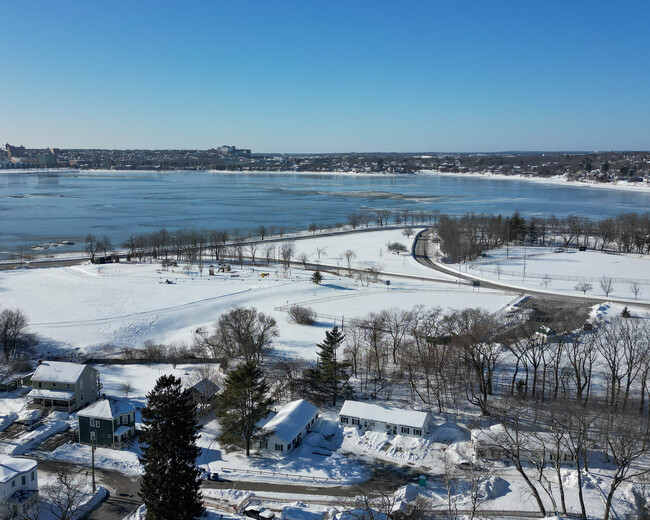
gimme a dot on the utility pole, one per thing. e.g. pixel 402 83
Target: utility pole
pixel 92 451
pixel 508 240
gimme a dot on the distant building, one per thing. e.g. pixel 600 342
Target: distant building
pixel 14 151
pixel 108 422
pixel 18 483
pixel 289 426
pixel 46 160
pixel 63 386
pixel 233 150
pixel 385 419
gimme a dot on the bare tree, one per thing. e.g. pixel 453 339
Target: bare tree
pixel 303 258
pixel 627 441
pixel 473 331
pixel 243 332
pixel 252 250
pixel 261 232
pixel 65 497
pixel 90 246
pixel 269 253
pixel 349 255
pixel 126 388
pixel 583 287
pixel 635 289
pixel 607 285
pixel 287 250
pixel 408 232
pixel 14 338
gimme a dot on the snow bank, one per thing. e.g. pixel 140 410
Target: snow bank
pixel 7 419
pixel 105 458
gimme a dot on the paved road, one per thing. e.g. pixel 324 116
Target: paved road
pixel 421 255
pixel 124 499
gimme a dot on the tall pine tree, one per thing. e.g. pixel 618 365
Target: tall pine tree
pixel 242 405
pixel 330 379
pixel 171 480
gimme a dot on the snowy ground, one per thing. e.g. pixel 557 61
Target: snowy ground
pixel 562 271
pixel 86 307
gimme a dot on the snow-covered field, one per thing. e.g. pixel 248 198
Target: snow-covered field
pixel 86 307
pixel 546 269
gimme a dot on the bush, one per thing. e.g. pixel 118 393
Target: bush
pixel 397 248
pixel 302 315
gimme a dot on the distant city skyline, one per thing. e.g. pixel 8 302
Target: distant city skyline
pixel 325 77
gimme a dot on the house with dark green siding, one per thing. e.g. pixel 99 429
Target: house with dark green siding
pixel 108 422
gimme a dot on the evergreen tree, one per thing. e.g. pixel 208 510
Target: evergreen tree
pixel 317 278
pixel 242 405
pixel 330 379
pixel 171 480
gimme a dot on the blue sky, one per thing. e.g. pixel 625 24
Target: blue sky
pixel 327 76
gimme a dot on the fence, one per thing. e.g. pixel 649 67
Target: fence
pixel 564 277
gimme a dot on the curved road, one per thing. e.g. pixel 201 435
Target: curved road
pixel 421 255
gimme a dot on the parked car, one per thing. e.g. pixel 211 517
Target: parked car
pixel 32 424
pixel 210 475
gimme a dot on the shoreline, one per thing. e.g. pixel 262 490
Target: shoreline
pixel 551 181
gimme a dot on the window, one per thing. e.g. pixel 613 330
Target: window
pixel 33 476
pixel 279 447
pixel 344 420
pixel 355 421
pixel 92 422
pixel 53 385
pixel 40 385
pixel 81 397
pixel 13 483
pixel 92 436
pixel 417 432
pixel 67 386
pixel 24 480
pixel 405 429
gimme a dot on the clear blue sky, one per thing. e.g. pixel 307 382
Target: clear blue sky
pixel 327 76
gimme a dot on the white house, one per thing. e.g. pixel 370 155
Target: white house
pixel 289 426
pixel 63 386
pixel 18 483
pixel 385 419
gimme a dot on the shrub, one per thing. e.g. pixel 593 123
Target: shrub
pixel 302 315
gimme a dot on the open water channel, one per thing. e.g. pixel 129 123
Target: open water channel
pixel 50 207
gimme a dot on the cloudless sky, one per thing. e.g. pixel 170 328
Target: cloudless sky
pixel 326 76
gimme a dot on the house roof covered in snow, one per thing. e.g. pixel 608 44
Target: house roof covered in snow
pixel 44 393
pixel 12 466
pixel 291 419
pixel 377 412
pixel 58 372
pixel 206 387
pixel 107 408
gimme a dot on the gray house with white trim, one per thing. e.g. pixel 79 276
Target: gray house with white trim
pixel 63 386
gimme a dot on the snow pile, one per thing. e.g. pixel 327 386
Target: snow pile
pixel 55 423
pixel 232 499
pixel 398 448
pixel 7 419
pixel 105 458
pixel 494 487
pixel 449 433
